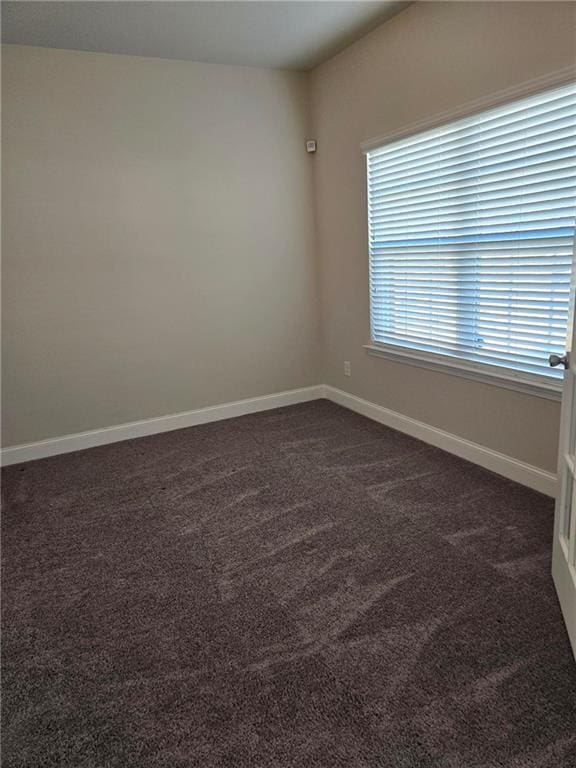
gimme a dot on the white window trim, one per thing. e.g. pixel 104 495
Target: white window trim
pixel 508 379
pixel 549 389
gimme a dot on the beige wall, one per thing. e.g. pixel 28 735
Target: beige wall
pixel 158 243
pixel 430 58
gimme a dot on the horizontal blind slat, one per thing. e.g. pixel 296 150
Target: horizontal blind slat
pixel 559 124
pixel 454 341
pixel 476 359
pixel 545 170
pixel 534 183
pixel 466 319
pixel 516 152
pixel 478 172
pixel 495 304
pixel 474 207
pixel 514 321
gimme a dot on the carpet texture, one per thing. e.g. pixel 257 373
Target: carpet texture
pixel 300 588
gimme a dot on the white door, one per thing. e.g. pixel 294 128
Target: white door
pixel 564 548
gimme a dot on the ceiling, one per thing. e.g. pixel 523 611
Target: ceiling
pixel 297 34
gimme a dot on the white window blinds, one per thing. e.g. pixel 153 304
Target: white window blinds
pixel 471 231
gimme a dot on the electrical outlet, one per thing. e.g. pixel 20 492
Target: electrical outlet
pixel 347 369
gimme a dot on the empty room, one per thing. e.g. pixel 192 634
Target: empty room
pixel 288 384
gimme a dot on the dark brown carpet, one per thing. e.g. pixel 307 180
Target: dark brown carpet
pixel 298 588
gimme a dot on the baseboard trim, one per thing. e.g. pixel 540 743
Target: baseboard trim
pixel 508 467
pixel 78 442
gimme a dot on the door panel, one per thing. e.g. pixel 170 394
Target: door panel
pixel 564 548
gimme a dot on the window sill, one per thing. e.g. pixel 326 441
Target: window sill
pixel 550 390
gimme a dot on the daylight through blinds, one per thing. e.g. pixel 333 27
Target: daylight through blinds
pixel 471 231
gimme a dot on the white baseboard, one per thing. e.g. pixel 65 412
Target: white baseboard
pixel 526 474
pixel 520 472
pixel 82 440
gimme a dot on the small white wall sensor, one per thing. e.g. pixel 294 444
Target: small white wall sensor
pixel 310 146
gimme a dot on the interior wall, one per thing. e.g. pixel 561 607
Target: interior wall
pixel 158 230
pixel 430 58
pixel 158 239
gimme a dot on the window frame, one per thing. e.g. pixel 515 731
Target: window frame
pixel 533 384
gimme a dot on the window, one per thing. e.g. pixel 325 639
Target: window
pixel 471 233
